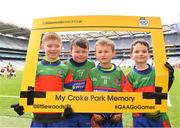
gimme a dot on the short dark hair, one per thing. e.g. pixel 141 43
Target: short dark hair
pixel 140 41
pixel 80 42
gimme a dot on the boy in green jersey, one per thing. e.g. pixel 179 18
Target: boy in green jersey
pixel 142 79
pixel 106 77
pixel 80 66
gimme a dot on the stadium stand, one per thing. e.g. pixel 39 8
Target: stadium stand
pixel 14 43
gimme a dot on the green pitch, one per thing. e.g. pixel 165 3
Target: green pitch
pixel 9 92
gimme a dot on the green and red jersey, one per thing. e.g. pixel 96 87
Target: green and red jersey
pixel 80 73
pixel 52 76
pixel 141 81
pixel 106 80
pixel 103 80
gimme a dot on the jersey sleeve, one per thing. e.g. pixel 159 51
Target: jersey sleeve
pixel 68 78
pixel 123 81
pixel 128 87
pixel 88 86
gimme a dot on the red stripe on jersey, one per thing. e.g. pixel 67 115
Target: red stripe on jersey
pixel 128 87
pixel 48 83
pixel 123 82
pixel 88 87
pixel 166 124
pixel 68 78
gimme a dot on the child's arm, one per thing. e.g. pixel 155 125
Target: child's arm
pixel 128 87
pixel 69 77
pixel 123 81
pixel 88 86
pixel 68 82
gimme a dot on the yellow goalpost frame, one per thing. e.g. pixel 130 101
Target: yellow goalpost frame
pixel 95 102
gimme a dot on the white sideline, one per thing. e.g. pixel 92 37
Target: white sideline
pixel 6 96
pixel 169 102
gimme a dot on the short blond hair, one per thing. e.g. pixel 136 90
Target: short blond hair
pixel 105 42
pixel 51 36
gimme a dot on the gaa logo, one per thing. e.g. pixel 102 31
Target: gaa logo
pixel 143 22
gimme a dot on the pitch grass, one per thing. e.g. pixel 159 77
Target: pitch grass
pixel 11 87
pixel 174 110
pixel 8 88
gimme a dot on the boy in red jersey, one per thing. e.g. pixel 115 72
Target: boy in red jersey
pixel 142 79
pixel 51 75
